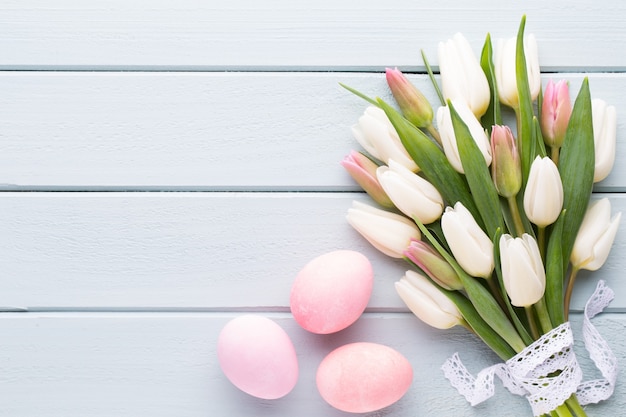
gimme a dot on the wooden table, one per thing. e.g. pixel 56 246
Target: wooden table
pixel 166 166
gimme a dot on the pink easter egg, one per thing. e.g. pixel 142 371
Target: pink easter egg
pixel 331 291
pixel 363 377
pixel 258 357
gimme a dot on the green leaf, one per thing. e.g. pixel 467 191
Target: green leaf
pixel 576 166
pixel 359 94
pixel 480 297
pixel 431 160
pixel 493 116
pixel 477 175
pixel 480 326
pixel 432 79
pixel 525 141
pixel 554 274
pixel 540 146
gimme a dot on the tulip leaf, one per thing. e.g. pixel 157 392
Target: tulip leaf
pixel 477 175
pixel 480 326
pixel 576 166
pixel 525 141
pixel 493 116
pixel 540 146
pixel 432 161
pixel 432 79
pixel 484 302
pixel 359 94
pixel 554 274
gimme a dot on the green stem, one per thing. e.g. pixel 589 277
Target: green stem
pixel 517 218
pixel 541 241
pixel 434 133
pixel 544 317
pixel 568 291
pixel 563 411
pixel 575 406
pixel 495 290
pixel 534 331
pixel 554 155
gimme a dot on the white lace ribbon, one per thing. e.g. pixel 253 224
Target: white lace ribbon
pixel 531 373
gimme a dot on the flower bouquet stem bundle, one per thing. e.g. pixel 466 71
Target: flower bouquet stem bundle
pixel 495 224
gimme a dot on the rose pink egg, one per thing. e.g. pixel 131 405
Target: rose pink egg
pixel 363 377
pixel 258 357
pixel 332 291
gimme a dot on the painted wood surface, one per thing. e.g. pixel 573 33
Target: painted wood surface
pixel 215 251
pixel 167 166
pixel 163 364
pixel 280 34
pixel 201 131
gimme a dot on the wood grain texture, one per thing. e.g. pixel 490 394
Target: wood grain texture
pixel 325 34
pixel 207 131
pixel 215 251
pixel 165 364
pixel 227 122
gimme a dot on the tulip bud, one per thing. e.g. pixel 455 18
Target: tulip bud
pixel 604 136
pixel 427 302
pixel 363 171
pixel 433 265
pixel 506 169
pixel 595 236
pixel 555 113
pixel 469 244
pixel 504 65
pixel 448 138
pixel 462 77
pixel 543 197
pixel 411 194
pixel 377 135
pixel 415 107
pixel 522 270
pixel 388 232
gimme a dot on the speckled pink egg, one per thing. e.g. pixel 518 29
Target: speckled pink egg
pixel 258 357
pixel 331 291
pixel 363 377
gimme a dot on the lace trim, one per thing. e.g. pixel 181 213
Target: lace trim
pixel 546 372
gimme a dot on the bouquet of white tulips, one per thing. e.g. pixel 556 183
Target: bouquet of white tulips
pixel 496 225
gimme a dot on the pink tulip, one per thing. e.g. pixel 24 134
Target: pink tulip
pixel 506 169
pixel 363 171
pixel 415 107
pixel 433 265
pixel 555 113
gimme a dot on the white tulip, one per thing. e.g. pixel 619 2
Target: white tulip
pixel 377 135
pixel 595 236
pixel 543 197
pixel 427 302
pixel 448 138
pixel 504 66
pixel 410 193
pixel 522 270
pixel 388 232
pixel 604 137
pixel 462 77
pixel 469 244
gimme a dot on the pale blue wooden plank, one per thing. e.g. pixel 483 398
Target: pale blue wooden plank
pixel 279 34
pixel 207 131
pixel 164 364
pixel 194 250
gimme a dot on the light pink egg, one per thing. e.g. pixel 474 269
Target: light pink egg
pixel 332 291
pixel 363 377
pixel 258 357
